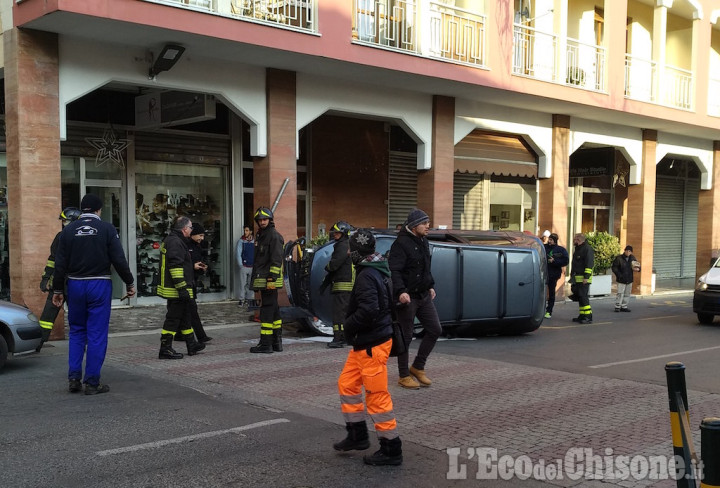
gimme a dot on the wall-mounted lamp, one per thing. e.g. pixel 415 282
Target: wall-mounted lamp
pixel 166 59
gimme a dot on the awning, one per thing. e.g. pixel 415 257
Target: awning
pixel 495 154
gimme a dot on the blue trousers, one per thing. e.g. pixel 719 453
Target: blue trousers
pixel 89 318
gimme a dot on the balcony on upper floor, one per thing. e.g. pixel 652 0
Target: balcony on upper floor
pixel 292 14
pixel 425 27
pixel 666 85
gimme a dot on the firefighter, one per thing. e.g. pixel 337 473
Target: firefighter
pixel 267 278
pixel 582 268
pixel 340 274
pixel 176 286
pixel 50 311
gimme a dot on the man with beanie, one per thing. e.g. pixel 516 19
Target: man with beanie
pixel 340 274
pixel 557 259
pixel 86 250
pixel 623 267
pixel 413 287
pixel 197 235
pixel 177 278
pixel 267 278
pixel 581 276
pixel 368 329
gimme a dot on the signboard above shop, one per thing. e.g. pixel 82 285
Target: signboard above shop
pixel 592 162
pixel 168 108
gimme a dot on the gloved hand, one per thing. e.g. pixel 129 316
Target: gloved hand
pixel 270 284
pixel 44 284
pixel 183 295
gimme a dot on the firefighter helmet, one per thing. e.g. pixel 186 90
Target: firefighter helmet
pixel 70 214
pixel 342 227
pixel 263 213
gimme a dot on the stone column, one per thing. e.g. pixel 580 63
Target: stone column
pixel 552 200
pixel 708 233
pixel 641 214
pixel 33 161
pixel 435 186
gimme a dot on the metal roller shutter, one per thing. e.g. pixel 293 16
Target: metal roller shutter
pixel 689 250
pixel 468 201
pixel 667 248
pixel 402 186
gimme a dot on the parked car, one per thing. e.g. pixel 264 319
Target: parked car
pixel 706 300
pixel 20 330
pixel 487 282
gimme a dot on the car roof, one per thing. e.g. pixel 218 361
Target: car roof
pixel 477 237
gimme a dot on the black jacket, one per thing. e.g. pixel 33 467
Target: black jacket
pixel 582 263
pixel 560 260
pixel 369 317
pixel 176 266
pixel 339 267
pixel 50 265
pixel 86 250
pixel 410 262
pixel 622 268
pixel 196 255
pixel 268 258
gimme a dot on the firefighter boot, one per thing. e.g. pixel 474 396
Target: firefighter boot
pixel 277 340
pixel 338 338
pixel 264 346
pixel 390 453
pixel 357 438
pixel 166 350
pixel 193 346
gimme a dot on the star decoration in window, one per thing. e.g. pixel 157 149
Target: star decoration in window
pixel 109 147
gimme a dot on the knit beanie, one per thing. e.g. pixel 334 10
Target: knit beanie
pixel 416 217
pixel 197 229
pixel 90 203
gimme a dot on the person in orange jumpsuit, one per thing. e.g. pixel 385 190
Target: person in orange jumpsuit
pixel 368 329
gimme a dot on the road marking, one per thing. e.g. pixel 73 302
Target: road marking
pixel 629 361
pixel 573 326
pixel 189 438
pixel 663 317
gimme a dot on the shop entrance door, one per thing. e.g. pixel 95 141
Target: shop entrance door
pixel 111 193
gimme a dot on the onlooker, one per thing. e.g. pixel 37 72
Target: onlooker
pixel 86 250
pixel 368 328
pixel 197 235
pixel 544 236
pixel 413 286
pixel 581 276
pixel 267 279
pixel 177 278
pixel 50 311
pixel 340 274
pixel 557 259
pixel 623 267
pixel 245 254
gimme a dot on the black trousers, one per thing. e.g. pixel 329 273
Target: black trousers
pixel 582 292
pixel 195 321
pixel 177 317
pixel 340 300
pixel 552 284
pixel 269 309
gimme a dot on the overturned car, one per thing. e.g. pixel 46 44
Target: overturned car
pixel 487 282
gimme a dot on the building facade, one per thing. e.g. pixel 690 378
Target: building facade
pixel 569 115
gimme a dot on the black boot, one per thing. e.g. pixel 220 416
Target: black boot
pixel 264 346
pixel 390 453
pixel 193 346
pixel 357 438
pixel 166 350
pixel 277 340
pixel 338 339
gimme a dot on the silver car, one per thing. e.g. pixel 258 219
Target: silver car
pixel 487 282
pixel 20 330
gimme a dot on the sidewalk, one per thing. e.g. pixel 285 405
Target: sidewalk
pixel 473 403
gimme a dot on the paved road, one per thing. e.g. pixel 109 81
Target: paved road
pixel 534 395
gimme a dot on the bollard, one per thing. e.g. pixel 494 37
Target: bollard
pixel 679 417
pixel 710 450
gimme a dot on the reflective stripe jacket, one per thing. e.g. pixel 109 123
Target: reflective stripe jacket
pixel 50 265
pixel 176 266
pixel 340 266
pixel 268 258
pixel 582 263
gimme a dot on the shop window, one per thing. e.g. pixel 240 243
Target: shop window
pixel 166 191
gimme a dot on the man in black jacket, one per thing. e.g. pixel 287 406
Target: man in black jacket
pixel 340 274
pixel 413 286
pixel 368 329
pixel 176 286
pixel 197 235
pixel 557 259
pixel 86 250
pixel 623 267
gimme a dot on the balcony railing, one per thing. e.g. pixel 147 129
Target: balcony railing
pixel 296 14
pixel 647 82
pixel 537 54
pixel 424 27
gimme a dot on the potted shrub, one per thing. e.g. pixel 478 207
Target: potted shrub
pixel 607 248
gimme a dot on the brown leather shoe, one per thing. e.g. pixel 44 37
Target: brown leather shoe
pixel 419 374
pixel 409 383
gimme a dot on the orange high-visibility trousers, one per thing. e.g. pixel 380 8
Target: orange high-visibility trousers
pixel 370 371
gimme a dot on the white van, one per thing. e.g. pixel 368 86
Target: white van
pixel 706 301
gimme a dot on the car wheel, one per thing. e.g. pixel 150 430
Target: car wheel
pixel 705 318
pixel 3 351
pixel 318 327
